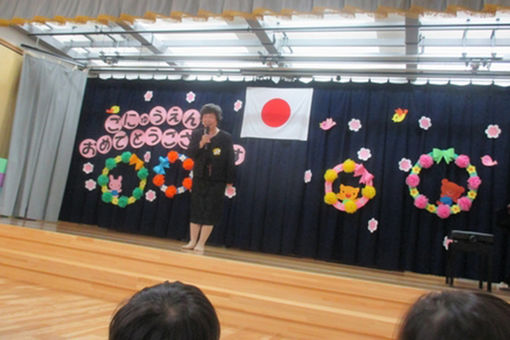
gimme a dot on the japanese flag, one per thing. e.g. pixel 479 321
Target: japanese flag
pixel 277 113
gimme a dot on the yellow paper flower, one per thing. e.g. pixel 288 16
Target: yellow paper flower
pixel 350 207
pixel 414 192
pixel 455 209
pixel 470 169
pixel 471 194
pixel 349 165
pixel 416 169
pixel 431 208
pixel 368 191
pixel 330 198
pixel 330 175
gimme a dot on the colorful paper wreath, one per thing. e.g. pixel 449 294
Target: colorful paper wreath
pixel 348 205
pixel 426 161
pixel 126 157
pixel 164 162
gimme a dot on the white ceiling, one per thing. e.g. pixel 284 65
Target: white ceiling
pixel 332 45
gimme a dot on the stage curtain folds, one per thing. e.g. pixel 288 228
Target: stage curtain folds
pixel 275 211
pixel 82 10
pixel 44 128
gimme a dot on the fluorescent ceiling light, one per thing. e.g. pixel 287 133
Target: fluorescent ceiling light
pixel 348 66
pixel 334 51
pixel 202 51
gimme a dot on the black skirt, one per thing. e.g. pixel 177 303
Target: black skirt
pixel 207 198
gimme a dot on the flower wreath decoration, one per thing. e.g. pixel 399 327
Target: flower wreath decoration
pixel 443 210
pixel 164 162
pixel 107 195
pixel 350 206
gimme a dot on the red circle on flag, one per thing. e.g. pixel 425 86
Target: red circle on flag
pixel 276 112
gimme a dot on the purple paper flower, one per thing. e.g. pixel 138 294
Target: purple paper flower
pixel 425 122
pixel 88 168
pixel 493 131
pixel 372 225
pixel 238 105
pixel 190 97
pixel 354 125
pixel 308 176
pixel 147 96
pixel 90 184
pixel 364 154
pixel 150 195
pixel 405 165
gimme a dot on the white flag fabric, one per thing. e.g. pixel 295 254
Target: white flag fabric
pixel 276 113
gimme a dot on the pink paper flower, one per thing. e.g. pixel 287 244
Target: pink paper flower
pixel 90 184
pixel 492 131
pixel 413 180
pixel 364 154
pixel 150 195
pixel 426 161
pixel 446 242
pixel 238 105
pixel 405 164
pixel 88 168
pixel 443 211
pixel 474 182
pixel 421 201
pixel 230 191
pixel 464 203
pixel 308 176
pixel 327 124
pixel 147 96
pixel 425 122
pixel 462 161
pixel 354 125
pixel 372 225
pixel 147 156
pixel 190 97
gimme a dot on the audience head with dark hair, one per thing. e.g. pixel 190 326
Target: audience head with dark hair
pixel 174 311
pixel 457 315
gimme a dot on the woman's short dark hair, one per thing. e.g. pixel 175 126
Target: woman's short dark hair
pixel 212 108
pixel 174 311
pixel 455 315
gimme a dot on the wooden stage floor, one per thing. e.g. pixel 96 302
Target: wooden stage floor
pixel 79 273
pixel 429 282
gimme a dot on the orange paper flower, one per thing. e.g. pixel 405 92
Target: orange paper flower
pixel 172 156
pixel 187 183
pixel 170 191
pixel 188 164
pixel 158 180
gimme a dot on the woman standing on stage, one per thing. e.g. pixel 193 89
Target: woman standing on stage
pixel 213 153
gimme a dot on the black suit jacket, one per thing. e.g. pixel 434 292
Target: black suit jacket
pixel 215 161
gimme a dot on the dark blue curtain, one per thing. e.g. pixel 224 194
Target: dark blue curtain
pixel 275 211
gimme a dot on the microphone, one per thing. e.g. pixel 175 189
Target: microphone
pixel 206 132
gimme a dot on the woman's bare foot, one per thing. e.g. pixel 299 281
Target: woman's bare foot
pixel 189 246
pixel 198 249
